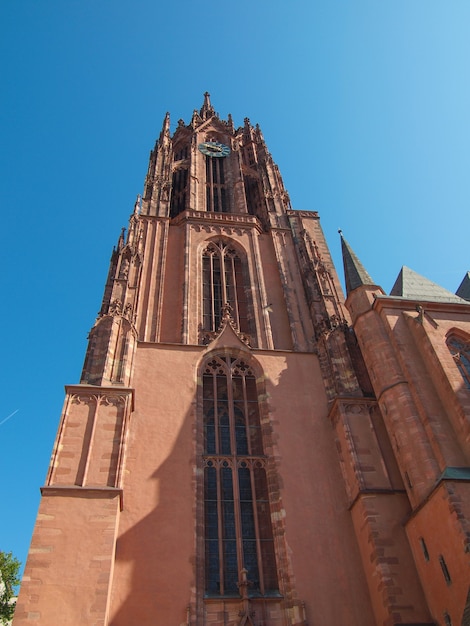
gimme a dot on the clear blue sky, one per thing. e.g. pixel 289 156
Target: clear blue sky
pixel 364 105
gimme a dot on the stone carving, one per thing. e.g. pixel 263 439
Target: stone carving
pixel 124 270
pixel 327 325
pixel 108 398
pixel 115 308
pixel 128 311
pixel 207 336
pixel 84 399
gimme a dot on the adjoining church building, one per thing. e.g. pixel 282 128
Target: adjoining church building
pixel 246 446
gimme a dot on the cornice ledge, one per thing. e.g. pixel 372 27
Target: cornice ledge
pixel 295 213
pixel 77 490
pixel 352 400
pixel 101 390
pixel 375 491
pixel 229 219
pixel 449 474
pixel 153 218
pixel 401 302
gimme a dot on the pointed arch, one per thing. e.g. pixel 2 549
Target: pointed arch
pixel 238 533
pixel 225 280
pixel 459 346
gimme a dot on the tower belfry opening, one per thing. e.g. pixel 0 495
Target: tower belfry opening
pixel 246 445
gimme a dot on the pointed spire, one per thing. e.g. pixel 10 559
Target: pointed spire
pixel 165 134
pixel 259 134
pixel 413 286
pixel 120 243
pixel 355 275
pixel 464 289
pixel 196 119
pixel 207 109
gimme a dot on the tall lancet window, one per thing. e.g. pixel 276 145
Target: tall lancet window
pixel 216 193
pixel 179 191
pixel 223 282
pixel 460 350
pixel 237 519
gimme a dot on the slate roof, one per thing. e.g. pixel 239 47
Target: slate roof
pixel 413 286
pixel 355 274
pixel 464 289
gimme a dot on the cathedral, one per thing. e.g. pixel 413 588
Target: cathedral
pixel 246 445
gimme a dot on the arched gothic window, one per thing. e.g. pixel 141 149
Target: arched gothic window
pixel 223 282
pixel 461 354
pixel 237 519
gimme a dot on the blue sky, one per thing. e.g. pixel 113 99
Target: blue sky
pixel 364 105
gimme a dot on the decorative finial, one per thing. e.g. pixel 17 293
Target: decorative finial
pixel 165 132
pixel 121 239
pixel 227 311
pixel 207 109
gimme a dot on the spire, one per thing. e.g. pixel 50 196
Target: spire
pixel 121 241
pixel 207 109
pixel 165 134
pixel 258 132
pixel 355 274
pixel 246 127
pixel 464 289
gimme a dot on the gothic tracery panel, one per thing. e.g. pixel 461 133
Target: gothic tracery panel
pixel 224 281
pixel 460 351
pixel 237 520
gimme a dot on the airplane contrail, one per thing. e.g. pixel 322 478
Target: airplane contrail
pixel 7 418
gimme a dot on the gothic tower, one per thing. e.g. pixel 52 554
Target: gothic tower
pixel 240 450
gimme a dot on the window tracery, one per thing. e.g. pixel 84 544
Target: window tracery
pixel 460 351
pixel 237 519
pixel 216 193
pixel 223 282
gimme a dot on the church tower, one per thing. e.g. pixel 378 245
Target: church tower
pixel 232 454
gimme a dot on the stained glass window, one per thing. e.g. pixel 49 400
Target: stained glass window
pixel 216 196
pixel 223 283
pixel 237 519
pixel 460 350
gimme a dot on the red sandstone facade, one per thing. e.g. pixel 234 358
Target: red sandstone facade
pixel 244 447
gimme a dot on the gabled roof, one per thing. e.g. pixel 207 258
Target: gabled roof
pixel 355 274
pixel 464 289
pixel 413 286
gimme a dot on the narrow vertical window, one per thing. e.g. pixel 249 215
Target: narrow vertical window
pixel 178 191
pixel 238 530
pixel 216 196
pixel 445 570
pixel 223 283
pixel 461 354
pixel 424 548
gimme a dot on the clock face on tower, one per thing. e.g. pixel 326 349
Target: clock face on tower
pixel 214 149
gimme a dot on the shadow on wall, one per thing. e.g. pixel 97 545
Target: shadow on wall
pixel 152 566
pixel 156 568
